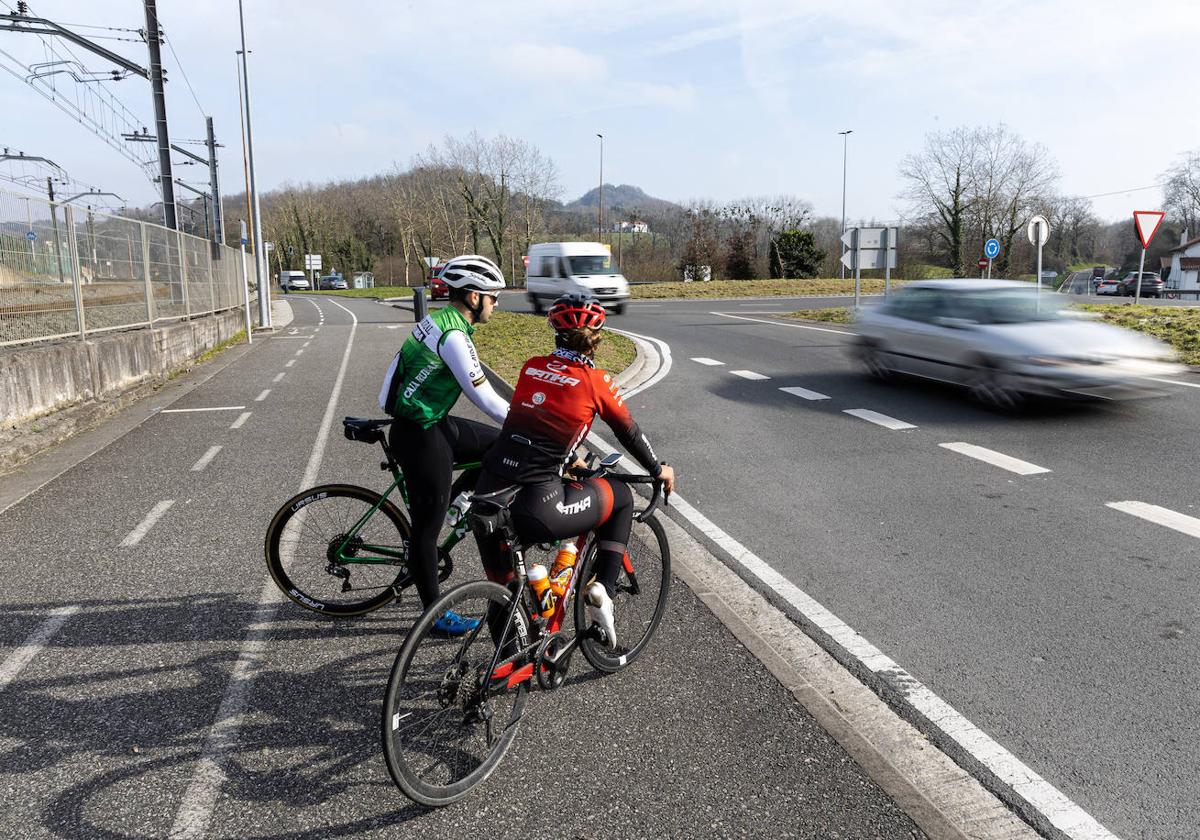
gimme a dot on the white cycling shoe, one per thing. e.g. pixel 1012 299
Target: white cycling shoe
pixel 600 612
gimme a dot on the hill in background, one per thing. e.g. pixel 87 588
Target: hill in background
pixel 622 197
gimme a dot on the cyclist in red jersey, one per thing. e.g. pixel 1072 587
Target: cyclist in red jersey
pixel 556 399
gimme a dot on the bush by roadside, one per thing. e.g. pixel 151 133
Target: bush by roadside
pixel 505 342
pixel 757 288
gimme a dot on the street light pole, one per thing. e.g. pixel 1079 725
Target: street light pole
pixel 845 143
pixel 600 209
pixel 260 268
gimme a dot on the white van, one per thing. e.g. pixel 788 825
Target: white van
pixel 294 281
pixel 559 268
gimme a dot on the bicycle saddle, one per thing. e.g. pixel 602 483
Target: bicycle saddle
pixel 365 430
pixel 489 513
pixel 497 499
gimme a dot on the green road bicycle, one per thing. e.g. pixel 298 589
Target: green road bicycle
pixel 340 549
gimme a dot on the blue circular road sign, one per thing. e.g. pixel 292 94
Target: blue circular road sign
pixel 991 249
pixel 31 236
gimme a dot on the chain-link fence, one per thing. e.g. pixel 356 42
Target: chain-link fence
pixel 68 272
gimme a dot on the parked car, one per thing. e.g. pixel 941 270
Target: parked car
pixel 1108 286
pixel 438 290
pixel 1004 343
pixel 294 281
pixel 332 281
pixel 1152 284
pixel 559 268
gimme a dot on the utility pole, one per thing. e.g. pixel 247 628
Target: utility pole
pixel 260 268
pixel 215 184
pixel 154 39
pixel 54 221
pixel 845 143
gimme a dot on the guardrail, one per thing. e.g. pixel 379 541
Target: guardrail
pixel 70 273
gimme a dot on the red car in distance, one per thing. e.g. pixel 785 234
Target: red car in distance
pixel 438 290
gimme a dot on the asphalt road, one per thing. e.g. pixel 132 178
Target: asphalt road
pixel 1063 627
pixel 127 637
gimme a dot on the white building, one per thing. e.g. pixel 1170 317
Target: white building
pixel 1184 261
pixel 630 227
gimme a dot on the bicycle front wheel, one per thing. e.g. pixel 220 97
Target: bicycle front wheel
pixel 325 557
pixel 447 720
pixel 642 589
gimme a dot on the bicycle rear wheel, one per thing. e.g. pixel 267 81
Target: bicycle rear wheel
pixel 640 600
pixel 441 737
pixel 306 559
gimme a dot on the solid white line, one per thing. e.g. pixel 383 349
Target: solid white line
pixel 135 536
pixel 1061 812
pixel 206 458
pixel 996 459
pixel 263 395
pixel 664 362
pixel 804 393
pixel 782 324
pixel 706 361
pixel 290 362
pixel 37 640
pixel 190 410
pixel 242 418
pixel 278 376
pixel 878 419
pixel 1181 522
pixel 195 811
pixel 1174 382
pixel 749 374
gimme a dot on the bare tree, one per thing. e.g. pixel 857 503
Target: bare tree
pixel 1181 196
pixel 939 185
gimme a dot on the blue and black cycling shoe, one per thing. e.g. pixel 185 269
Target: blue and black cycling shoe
pixel 453 624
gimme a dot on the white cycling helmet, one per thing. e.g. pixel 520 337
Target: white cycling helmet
pixel 472 273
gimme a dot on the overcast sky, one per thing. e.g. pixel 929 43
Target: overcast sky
pixel 696 99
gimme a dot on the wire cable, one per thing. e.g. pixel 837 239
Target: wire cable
pixel 186 80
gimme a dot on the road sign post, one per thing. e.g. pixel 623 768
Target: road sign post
pixel 1038 232
pixel 870 248
pixel 991 250
pixel 1146 222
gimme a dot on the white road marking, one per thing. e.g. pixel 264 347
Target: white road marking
pixel 206 458
pixel 706 361
pixel 1042 796
pixel 300 351
pixel 135 536
pixel 996 459
pixel 1181 522
pixel 305 344
pixel 664 363
pixel 195 811
pixel 1174 382
pixel 33 645
pixel 190 410
pixel 242 418
pixel 749 374
pixel 263 395
pixel 782 324
pixel 279 376
pixel 878 419
pixel 290 362
pixel 392 326
pixel 805 394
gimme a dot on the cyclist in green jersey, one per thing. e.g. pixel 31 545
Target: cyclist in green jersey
pixel 436 364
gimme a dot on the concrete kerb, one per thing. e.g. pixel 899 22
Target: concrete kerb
pixel 945 800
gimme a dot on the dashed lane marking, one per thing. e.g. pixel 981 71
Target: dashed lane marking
pixel 242 418
pixel 749 374
pixel 804 393
pixel 278 377
pixel 996 459
pixel 1166 517
pixel 300 351
pixel 263 395
pixel 290 362
pixel 135 536
pixel 206 459
pixel 878 419
pixel 37 640
pixel 706 361
pixel 191 410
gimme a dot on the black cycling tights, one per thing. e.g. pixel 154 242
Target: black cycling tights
pixel 427 458
pixel 564 508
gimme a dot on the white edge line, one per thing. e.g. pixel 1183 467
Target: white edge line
pixel 206 458
pixel 33 645
pixel 196 809
pixel 1166 517
pixel 878 419
pixel 190 410
pixel 135 536
pixel 1174 382
pixel 782 323
pixel 664 367
pixel 242 418
pixel 996 459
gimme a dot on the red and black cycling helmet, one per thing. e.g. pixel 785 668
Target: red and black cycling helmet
pixel 576 310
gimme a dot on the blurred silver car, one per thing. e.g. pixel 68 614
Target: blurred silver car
pixel 1004 344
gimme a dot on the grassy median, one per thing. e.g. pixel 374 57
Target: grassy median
pixel 505 342
pixel 757 288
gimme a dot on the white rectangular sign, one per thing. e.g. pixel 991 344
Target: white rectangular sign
pixel 312 262
pixel 869 259
pixel 871 238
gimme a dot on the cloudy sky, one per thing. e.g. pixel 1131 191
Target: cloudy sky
pixel 696 98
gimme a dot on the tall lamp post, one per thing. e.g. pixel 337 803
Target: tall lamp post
pixel 260 266
pixel 845 142
pixel 600 209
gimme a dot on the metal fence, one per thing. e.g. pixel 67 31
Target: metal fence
pixel 68 272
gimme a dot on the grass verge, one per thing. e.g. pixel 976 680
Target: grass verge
pixel 1177 325
pixel 380 292
pixel 833 315
pixel 509 339
pixel 757 288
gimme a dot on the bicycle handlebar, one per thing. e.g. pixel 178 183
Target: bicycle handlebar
pixel 655 496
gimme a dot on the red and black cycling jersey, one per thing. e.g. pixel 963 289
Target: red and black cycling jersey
pixel 552 409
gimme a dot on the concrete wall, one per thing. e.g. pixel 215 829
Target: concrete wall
pixel 39 381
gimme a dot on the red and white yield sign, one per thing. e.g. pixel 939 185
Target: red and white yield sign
pixel 1147 222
